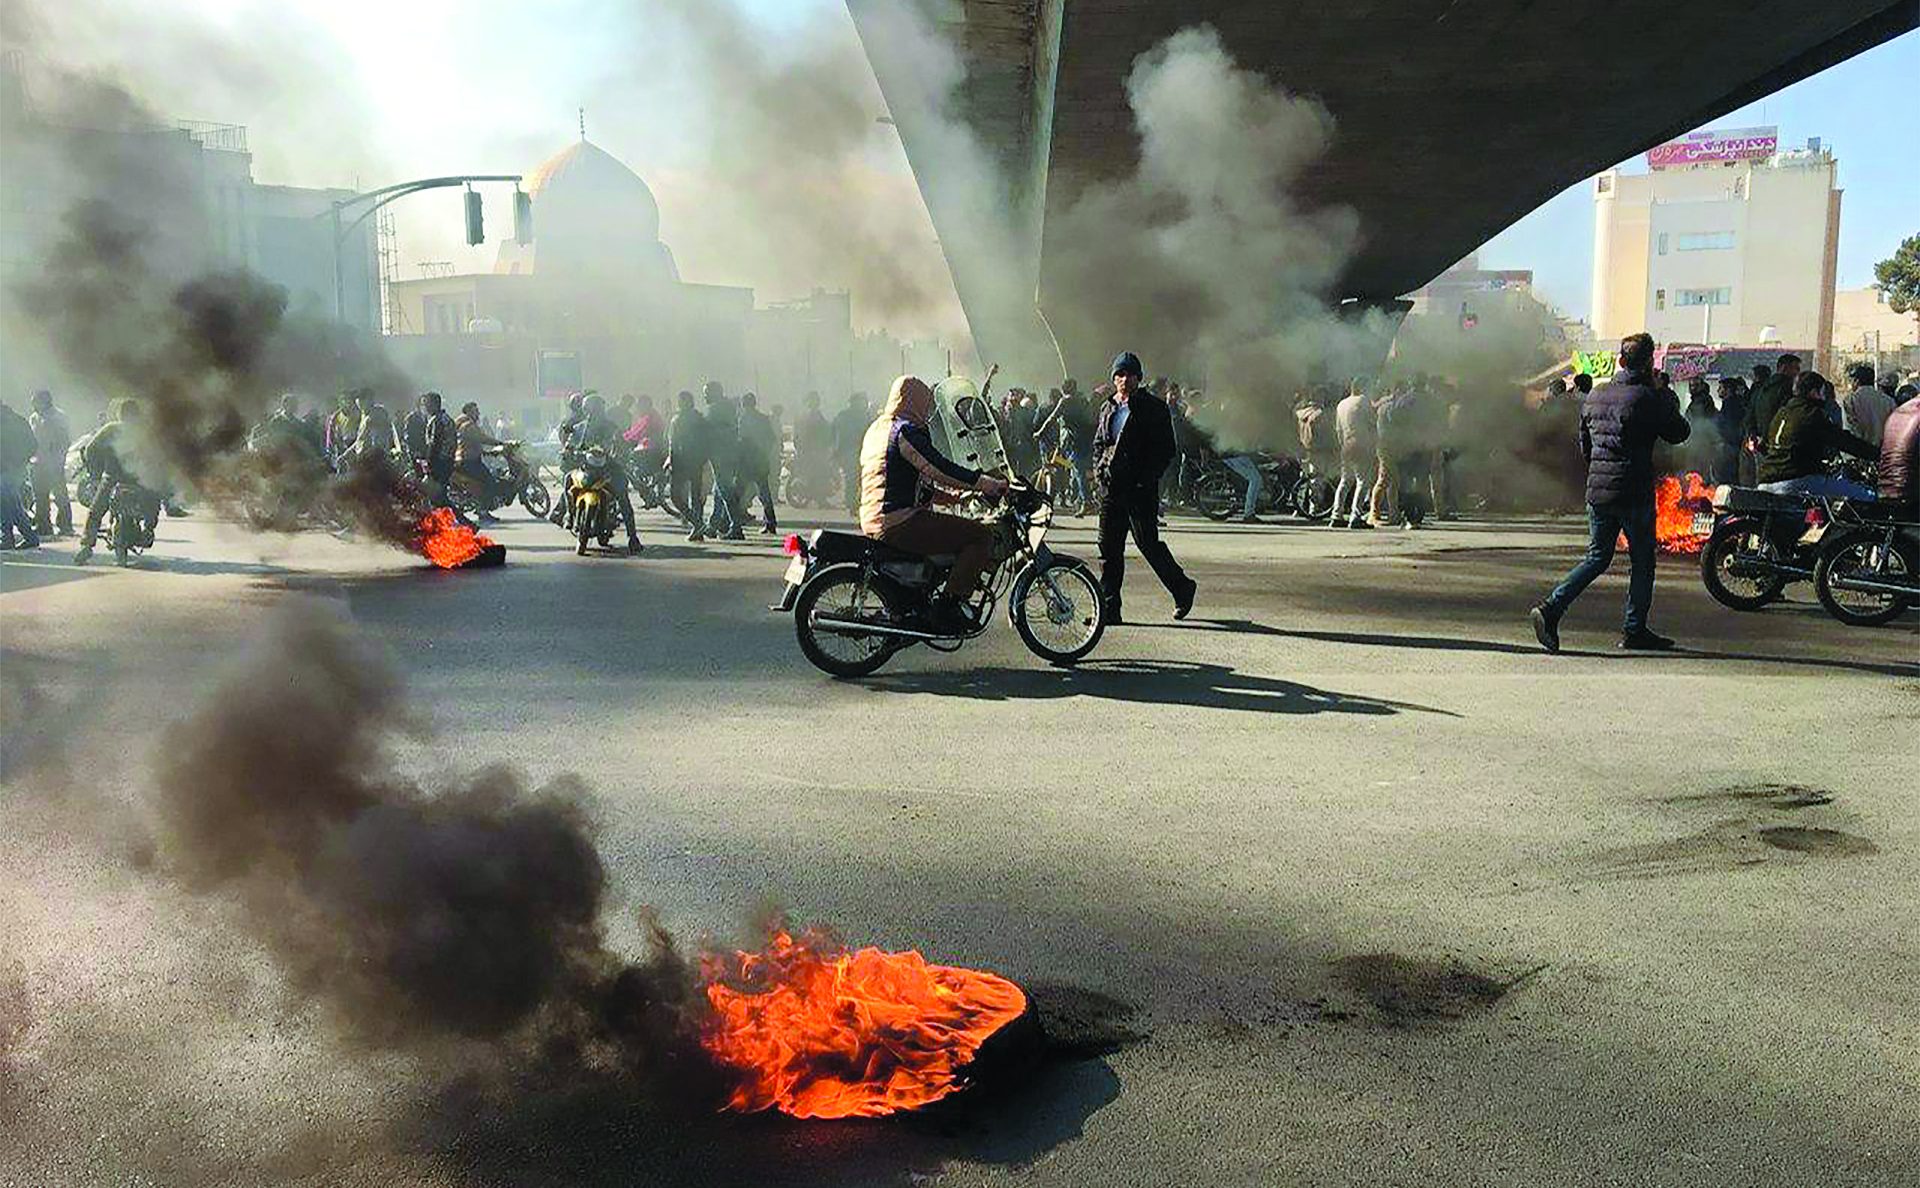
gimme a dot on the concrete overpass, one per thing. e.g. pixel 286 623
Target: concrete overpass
pixel 1455 117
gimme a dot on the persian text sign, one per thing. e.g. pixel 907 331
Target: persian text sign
pixel 1720 144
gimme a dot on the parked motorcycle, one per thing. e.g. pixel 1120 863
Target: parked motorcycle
pixel 1868 569
pixel 1760 542
pixel 855 601
pixel 1220 492
pixel 514 478
pixel 590 488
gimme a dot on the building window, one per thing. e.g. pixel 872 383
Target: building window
pixel 1704 241
pixel 1721 296
pixel 1663 243
pixel 1659 299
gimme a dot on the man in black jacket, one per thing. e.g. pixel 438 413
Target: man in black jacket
pixel 1619 424
pixel 1132 447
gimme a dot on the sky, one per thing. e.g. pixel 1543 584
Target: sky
pixel 1864 110
pixel 386 91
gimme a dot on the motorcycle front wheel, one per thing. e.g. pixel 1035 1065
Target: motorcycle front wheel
pixel 1864 555
pixel 1722 564
pixel 536 499
pixel 1058 611
pixel 834 591
pixel 585 523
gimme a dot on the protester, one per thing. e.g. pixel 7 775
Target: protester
pixel 1802 440
pixel 812 449
pixel 1703 428
pixel 1728 424
pixel 1395 415
pixel 1133 445
pixel 341 425
pixel 647 436
pixel 1764 404
pixel 723 458
pixel 471 442
pixel 116 454
pixel 52 437
pixel 17 448
pixel 440 441
pixel 1358 429
pixel 849 437
pixel 759 453
pixel 601 429
pixel 687 458
pixel 413 434
pixel 1899 471
pixel 1619 425
pixel 1864 410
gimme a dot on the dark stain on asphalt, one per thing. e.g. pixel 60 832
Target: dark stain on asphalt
pixel 1826 843
pixel 1405 991
pixel 1779 796
pixel 1081 1024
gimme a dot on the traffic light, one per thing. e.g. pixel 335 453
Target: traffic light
pixel 522 217
pixel 476 225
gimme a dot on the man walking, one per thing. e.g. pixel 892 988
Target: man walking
pixel 16 458
pixel 1358 431
pixel 52 436
pixel 1619 424
pixel 759 454
pixel 1132 446
pixel 686 458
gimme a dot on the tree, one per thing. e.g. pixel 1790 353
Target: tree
pixel 1899 276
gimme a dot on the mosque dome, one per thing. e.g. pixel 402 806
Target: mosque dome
pixel 592 216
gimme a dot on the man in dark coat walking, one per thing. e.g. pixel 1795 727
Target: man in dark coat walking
pixel 1132 448
pixel 1619 424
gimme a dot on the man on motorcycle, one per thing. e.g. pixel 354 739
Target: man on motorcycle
pixel 471 442
pixel 600 430
pixel 112 458
pixel 1801 439
pixel 901 474
pixel 1900 462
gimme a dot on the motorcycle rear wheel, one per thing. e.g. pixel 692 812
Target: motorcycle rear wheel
pixel 1738 591
pixel 1313 498
pixel 1854 552
pixel 831 591
pixel 1217 496
pixel 1070 609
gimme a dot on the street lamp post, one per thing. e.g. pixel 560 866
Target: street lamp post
pixel 379 198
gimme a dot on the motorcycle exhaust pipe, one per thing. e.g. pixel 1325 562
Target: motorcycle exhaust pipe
pixel 835 626
pixel 1869 586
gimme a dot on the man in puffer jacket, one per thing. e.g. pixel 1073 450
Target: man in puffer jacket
pixel 1619 424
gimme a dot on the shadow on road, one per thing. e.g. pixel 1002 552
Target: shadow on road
pixel 1157 682
pixel 1454 644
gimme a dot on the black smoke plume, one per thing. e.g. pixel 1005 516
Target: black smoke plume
pixel 466 910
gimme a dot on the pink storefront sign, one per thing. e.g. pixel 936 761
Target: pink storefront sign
pixel 1724 144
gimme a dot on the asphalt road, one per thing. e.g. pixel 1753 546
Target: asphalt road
pixel 1341 882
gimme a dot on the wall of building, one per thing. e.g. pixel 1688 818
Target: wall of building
pixel 1863 321
pixel 1739 253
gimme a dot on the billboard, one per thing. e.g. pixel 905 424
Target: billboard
pixel 1716 144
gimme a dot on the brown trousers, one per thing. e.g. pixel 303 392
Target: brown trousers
pixel 932 533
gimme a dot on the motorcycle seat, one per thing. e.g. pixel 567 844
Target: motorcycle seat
pixel 1752 499
pixel 831 545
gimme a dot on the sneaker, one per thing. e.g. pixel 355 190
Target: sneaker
pixel 1183 605
pixel 1546 627
pixel 947 617
pixel 634 547
pixel 768 530
pixel 84 553
pixel 28 542
pixel 695 535
pixel 1249 519
pixel 1645 641
pixel 1361 522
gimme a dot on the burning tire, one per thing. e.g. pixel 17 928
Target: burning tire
pixel 1733 569
pixel 1058 611
pixel 838 591
pixel 1865 555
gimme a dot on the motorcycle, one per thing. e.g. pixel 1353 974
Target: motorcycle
pixel 132 512
pixel 856 602
pixel 650 481
pixel 1763 541
pixel 1313 494
pixel 1219 492
pixel 1868 569
pixel 514 478
pixel 590 489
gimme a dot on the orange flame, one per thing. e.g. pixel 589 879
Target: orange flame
pixel 1676 501
pixel 446 542
pixel 818 1032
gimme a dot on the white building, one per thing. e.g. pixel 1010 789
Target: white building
pixel 1727 243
